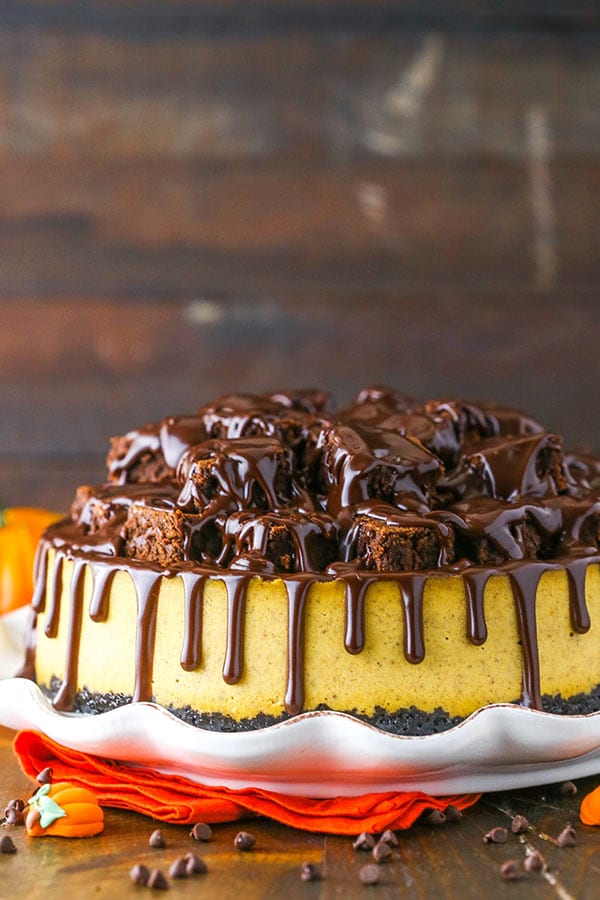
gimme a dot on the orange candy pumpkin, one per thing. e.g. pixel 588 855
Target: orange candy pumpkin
pixel 589 812
pixel 65 810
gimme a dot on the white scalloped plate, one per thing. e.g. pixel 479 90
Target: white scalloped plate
pixel 323 754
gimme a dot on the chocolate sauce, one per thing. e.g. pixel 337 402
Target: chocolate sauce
pixel 534 522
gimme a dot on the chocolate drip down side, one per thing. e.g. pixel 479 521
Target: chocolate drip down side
pixel 524 577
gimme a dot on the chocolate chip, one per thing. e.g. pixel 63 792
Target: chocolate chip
pixel 364 841
pixel 45 776
pixel 310 872
pixel 195 865
pixel 140 875
pixel 388 837
pixel 434 818
pixel 16 804
pixel 14 817
pixel 370 874
pixel 158 880
pixel 568 789
pixel 496 836
pixel 6 845
pixel 381 852
pixel 244 840
pixel 156 839
pixel 452 813
pixel 201 832
pixel 510 870
pixel 178 869
pixel 567 837
pixel 534 862
pixel 519 825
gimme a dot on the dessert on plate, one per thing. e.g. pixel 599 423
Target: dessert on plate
pixel 404 562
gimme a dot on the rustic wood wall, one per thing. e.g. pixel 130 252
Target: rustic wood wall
pixel 196 198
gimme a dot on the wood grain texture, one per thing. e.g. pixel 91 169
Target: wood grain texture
pixel 169 165
pixel 447 862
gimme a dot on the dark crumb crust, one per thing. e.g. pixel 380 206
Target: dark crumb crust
pixel 409 722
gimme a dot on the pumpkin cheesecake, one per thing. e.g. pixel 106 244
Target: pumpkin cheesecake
pixel 404 562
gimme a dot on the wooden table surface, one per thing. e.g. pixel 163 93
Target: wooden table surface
pixel 449 861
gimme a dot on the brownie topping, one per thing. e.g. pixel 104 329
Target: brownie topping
pixel 368 462
pixel 280 485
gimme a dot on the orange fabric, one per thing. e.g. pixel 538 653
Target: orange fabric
pixel 171 798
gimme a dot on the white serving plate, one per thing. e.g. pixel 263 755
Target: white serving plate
pixel 319 754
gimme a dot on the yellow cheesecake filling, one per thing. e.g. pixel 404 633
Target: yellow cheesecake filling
pixel 247 646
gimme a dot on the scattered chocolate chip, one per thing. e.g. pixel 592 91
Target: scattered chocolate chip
pixel 6 845
pixel 534 862
pixel 452 813
pixel 201 832
pixel 519 825
pixel 45 776
pixel 16 804
pixel 14 817
pixel 156 839
pixel 381 852
pixel 568 789
pixel 567 837
pixel 496 836
pixel 388 837
pixel 140 875
pixel 194 865
pixel 244 840
pixel 178 868
pixel 158 880
pixel 364 841
pixel 310 872
pixel 434 818
pixel 510 870
pixel 370 874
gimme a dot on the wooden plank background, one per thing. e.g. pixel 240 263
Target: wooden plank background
pixel 198 198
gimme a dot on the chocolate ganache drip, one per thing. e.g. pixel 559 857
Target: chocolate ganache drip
pixel 282 486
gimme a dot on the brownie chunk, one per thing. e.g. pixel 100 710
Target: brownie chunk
pixel 584 472
pixel 136 457
pixel 163 534
pixel 361 463
pixel 508 468
pixel 580 521
pixel 290 541
pixel 150 454
pixel 236 474
pixel 94 507
pixel 383 539
pixel 489 532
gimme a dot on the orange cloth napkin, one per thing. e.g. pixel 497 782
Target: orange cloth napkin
pixel 171 798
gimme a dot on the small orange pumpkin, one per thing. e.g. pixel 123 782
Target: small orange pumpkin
pixel 64 810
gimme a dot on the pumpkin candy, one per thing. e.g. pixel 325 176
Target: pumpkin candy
pixel 64 809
